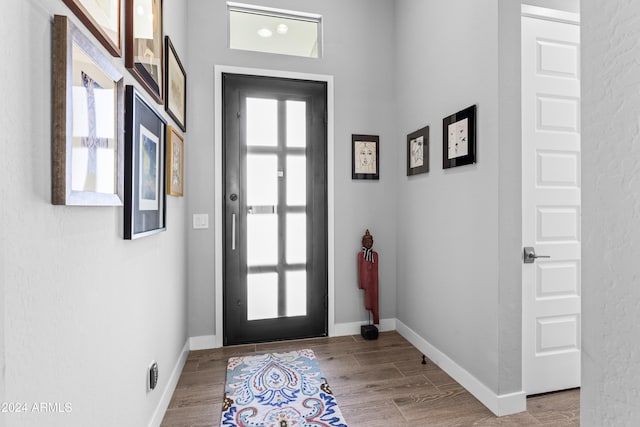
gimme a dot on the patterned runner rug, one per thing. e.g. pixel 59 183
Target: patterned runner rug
pixel 278 390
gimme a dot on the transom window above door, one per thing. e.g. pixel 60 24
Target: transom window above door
pixel 262 29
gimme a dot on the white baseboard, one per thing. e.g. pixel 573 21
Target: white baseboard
pixel 204 342
pixel 511 403
pixel 353 328
pixel 500 405
pixel 167 394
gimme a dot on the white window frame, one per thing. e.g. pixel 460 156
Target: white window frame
pixel 276 13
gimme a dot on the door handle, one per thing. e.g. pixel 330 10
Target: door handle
pixel 530 255
pixel 233 232
pixel 258 210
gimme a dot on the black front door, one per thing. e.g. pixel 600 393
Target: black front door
pixel 275 198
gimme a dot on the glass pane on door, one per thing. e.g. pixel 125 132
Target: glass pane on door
pixel 262 217
pixel 296 124
pixel 262 240
pixel 262 296
pixel 262 179
pixel 296 293
pixel 296 180
pixel 296 238
pixel 262 122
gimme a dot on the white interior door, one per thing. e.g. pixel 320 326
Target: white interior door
pixel 551 204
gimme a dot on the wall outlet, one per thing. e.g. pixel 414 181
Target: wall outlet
pixel 152 378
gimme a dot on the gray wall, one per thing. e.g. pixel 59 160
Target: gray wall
pixel 459 229
pixel 8 38
pixel 611 200
pixel 509 200
pixel 84 310
pixel 358 44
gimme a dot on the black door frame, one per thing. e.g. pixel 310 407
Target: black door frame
pixel 318 271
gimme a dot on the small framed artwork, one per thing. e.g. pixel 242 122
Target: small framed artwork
pixel 144 199
pixel 418 152
pixel 87 147
pixel 102 18
pixel 175 162
pixel 175 102
pixel 459 138
pixel 143 44
pixel 365 157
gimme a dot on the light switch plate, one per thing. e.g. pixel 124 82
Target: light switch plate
pixel 200 221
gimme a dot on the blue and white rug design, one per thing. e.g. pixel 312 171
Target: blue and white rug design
pixel 278 390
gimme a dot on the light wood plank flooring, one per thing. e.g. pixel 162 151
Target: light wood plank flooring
pixel 376 383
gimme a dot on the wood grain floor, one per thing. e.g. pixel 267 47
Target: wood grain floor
pixel 376 383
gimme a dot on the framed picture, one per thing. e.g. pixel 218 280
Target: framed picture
pixel 459 138
pixel 102 18
pixel 418 152
pixel 87 147
pixel 365 157
pixel 175 88
pixel 175 162
pixel 143 44
pixel 144 198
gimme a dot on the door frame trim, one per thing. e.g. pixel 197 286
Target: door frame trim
pixel 218 190
pixel 537 12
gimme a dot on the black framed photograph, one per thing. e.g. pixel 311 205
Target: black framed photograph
pixel 418 151
pixel 175 99
pixel 145 183
pixel 143 45
pixel 87 145
pixel 365 157
pixel 459 138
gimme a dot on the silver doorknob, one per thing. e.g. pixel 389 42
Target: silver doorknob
pixel 530 255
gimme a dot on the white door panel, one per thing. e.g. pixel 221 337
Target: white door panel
pixel 551 204
pixel 557 113
pixel 557 168
pixel 556 58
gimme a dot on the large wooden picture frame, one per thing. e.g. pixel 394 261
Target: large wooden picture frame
pixel 88 122
pixel 143 45
pixel 175 92
pixel 145 197
pixel 102 18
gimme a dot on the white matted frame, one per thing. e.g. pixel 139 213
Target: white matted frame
pixel 87 151
pixel 218 208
